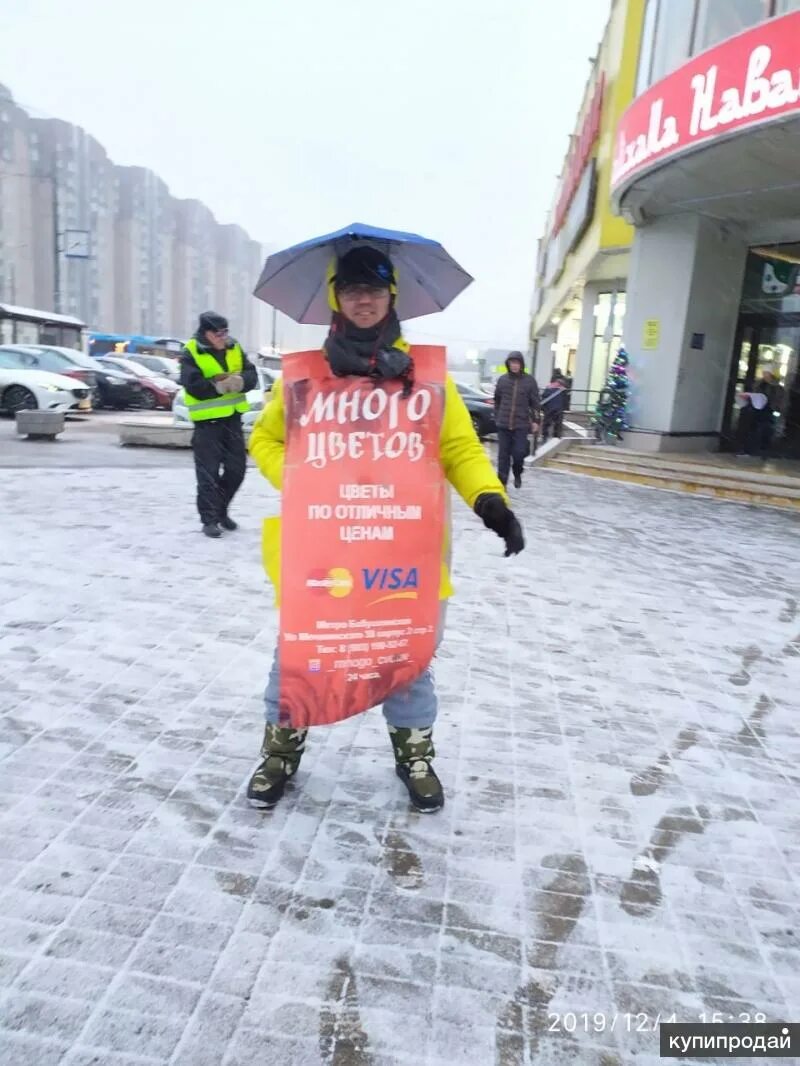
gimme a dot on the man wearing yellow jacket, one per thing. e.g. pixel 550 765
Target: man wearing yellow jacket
pixel 366 340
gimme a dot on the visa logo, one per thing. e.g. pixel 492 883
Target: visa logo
pixel 390 580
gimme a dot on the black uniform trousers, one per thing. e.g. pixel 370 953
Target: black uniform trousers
pixel 220 461
pixel 553 424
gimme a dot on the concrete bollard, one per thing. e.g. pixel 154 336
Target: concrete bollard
pixel 40 425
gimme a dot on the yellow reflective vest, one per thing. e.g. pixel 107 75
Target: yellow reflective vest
pixel 221 406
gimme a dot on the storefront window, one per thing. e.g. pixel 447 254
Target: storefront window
pixel 674 30
pixel 719 19
pixel 673 36
pixel 609 318
pixel 772 280
pixel 646 50
pixel 26 333
pixel 767 352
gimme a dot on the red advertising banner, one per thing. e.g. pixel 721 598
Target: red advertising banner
pixel 363 512
pixel 751 79
pixel 580 153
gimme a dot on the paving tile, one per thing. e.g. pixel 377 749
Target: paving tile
pixel 22 1049
pixel 206 1038
pixel 61 977
pixel 151 1036
pixel 59 1018
pixel 152 995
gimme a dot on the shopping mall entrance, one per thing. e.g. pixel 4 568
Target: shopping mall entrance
pixel 767 349
pixel 765 346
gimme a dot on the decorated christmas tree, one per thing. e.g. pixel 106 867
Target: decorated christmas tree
pixel 609 419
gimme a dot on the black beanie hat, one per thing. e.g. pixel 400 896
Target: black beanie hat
pixel 364 265
pixel 210 321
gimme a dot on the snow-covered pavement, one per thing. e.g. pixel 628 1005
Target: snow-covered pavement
pixel 619 739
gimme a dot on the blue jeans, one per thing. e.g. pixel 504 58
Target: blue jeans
pixel 412 708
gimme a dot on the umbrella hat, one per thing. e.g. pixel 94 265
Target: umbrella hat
pixel 295 280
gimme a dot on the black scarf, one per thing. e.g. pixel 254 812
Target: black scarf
pixel 377 353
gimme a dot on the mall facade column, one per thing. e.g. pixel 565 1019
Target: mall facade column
pixel 684 290
pixel 585 353
pixel 543 358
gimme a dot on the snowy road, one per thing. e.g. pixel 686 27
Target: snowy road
pixel 619 739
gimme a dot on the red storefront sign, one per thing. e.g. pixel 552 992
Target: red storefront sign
pixel 749 80
pixel 579 154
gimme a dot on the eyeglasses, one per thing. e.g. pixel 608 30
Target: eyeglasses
pixel 353 292
pixel 218 332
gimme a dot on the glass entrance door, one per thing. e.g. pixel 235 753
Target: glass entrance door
pixel 768 351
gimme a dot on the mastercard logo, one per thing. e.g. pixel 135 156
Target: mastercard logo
pixel 336 582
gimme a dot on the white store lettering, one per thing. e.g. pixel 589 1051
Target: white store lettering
pixel 758 95
pixel 662 133
pixel 713 108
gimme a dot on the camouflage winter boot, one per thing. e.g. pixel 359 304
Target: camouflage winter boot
pixel 281 752
pixel 414 752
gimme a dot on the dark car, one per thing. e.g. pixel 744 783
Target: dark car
pixel 481 409
pixel 157 391
pixel 110 387
pixel 118 389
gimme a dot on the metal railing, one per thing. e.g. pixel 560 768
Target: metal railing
pixel 581 401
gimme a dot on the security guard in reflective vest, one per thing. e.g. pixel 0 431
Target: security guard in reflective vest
pixel 216 376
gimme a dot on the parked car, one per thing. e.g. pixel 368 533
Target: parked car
pixel 268 377
pixel 112 388
pixel 118 389
pixel 481 409
pixel 161 365
pixel 70 363
pixel 39 390
pixel 157 391
pixel 256 397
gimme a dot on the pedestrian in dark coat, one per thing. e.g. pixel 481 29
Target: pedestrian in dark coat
pixel 554 404
pixel 756 425
pixel 516 407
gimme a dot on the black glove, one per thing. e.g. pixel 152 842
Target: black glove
pixel 492 510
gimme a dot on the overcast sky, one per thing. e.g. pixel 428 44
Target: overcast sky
pixel 295 117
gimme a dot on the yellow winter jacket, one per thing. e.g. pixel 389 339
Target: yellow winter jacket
pixel 465 464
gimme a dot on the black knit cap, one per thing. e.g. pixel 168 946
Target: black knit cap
pixel 210 321
pixel 364 265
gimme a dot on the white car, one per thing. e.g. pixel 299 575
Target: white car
pixel 31 390
pixel 266 379
pixel 158 364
